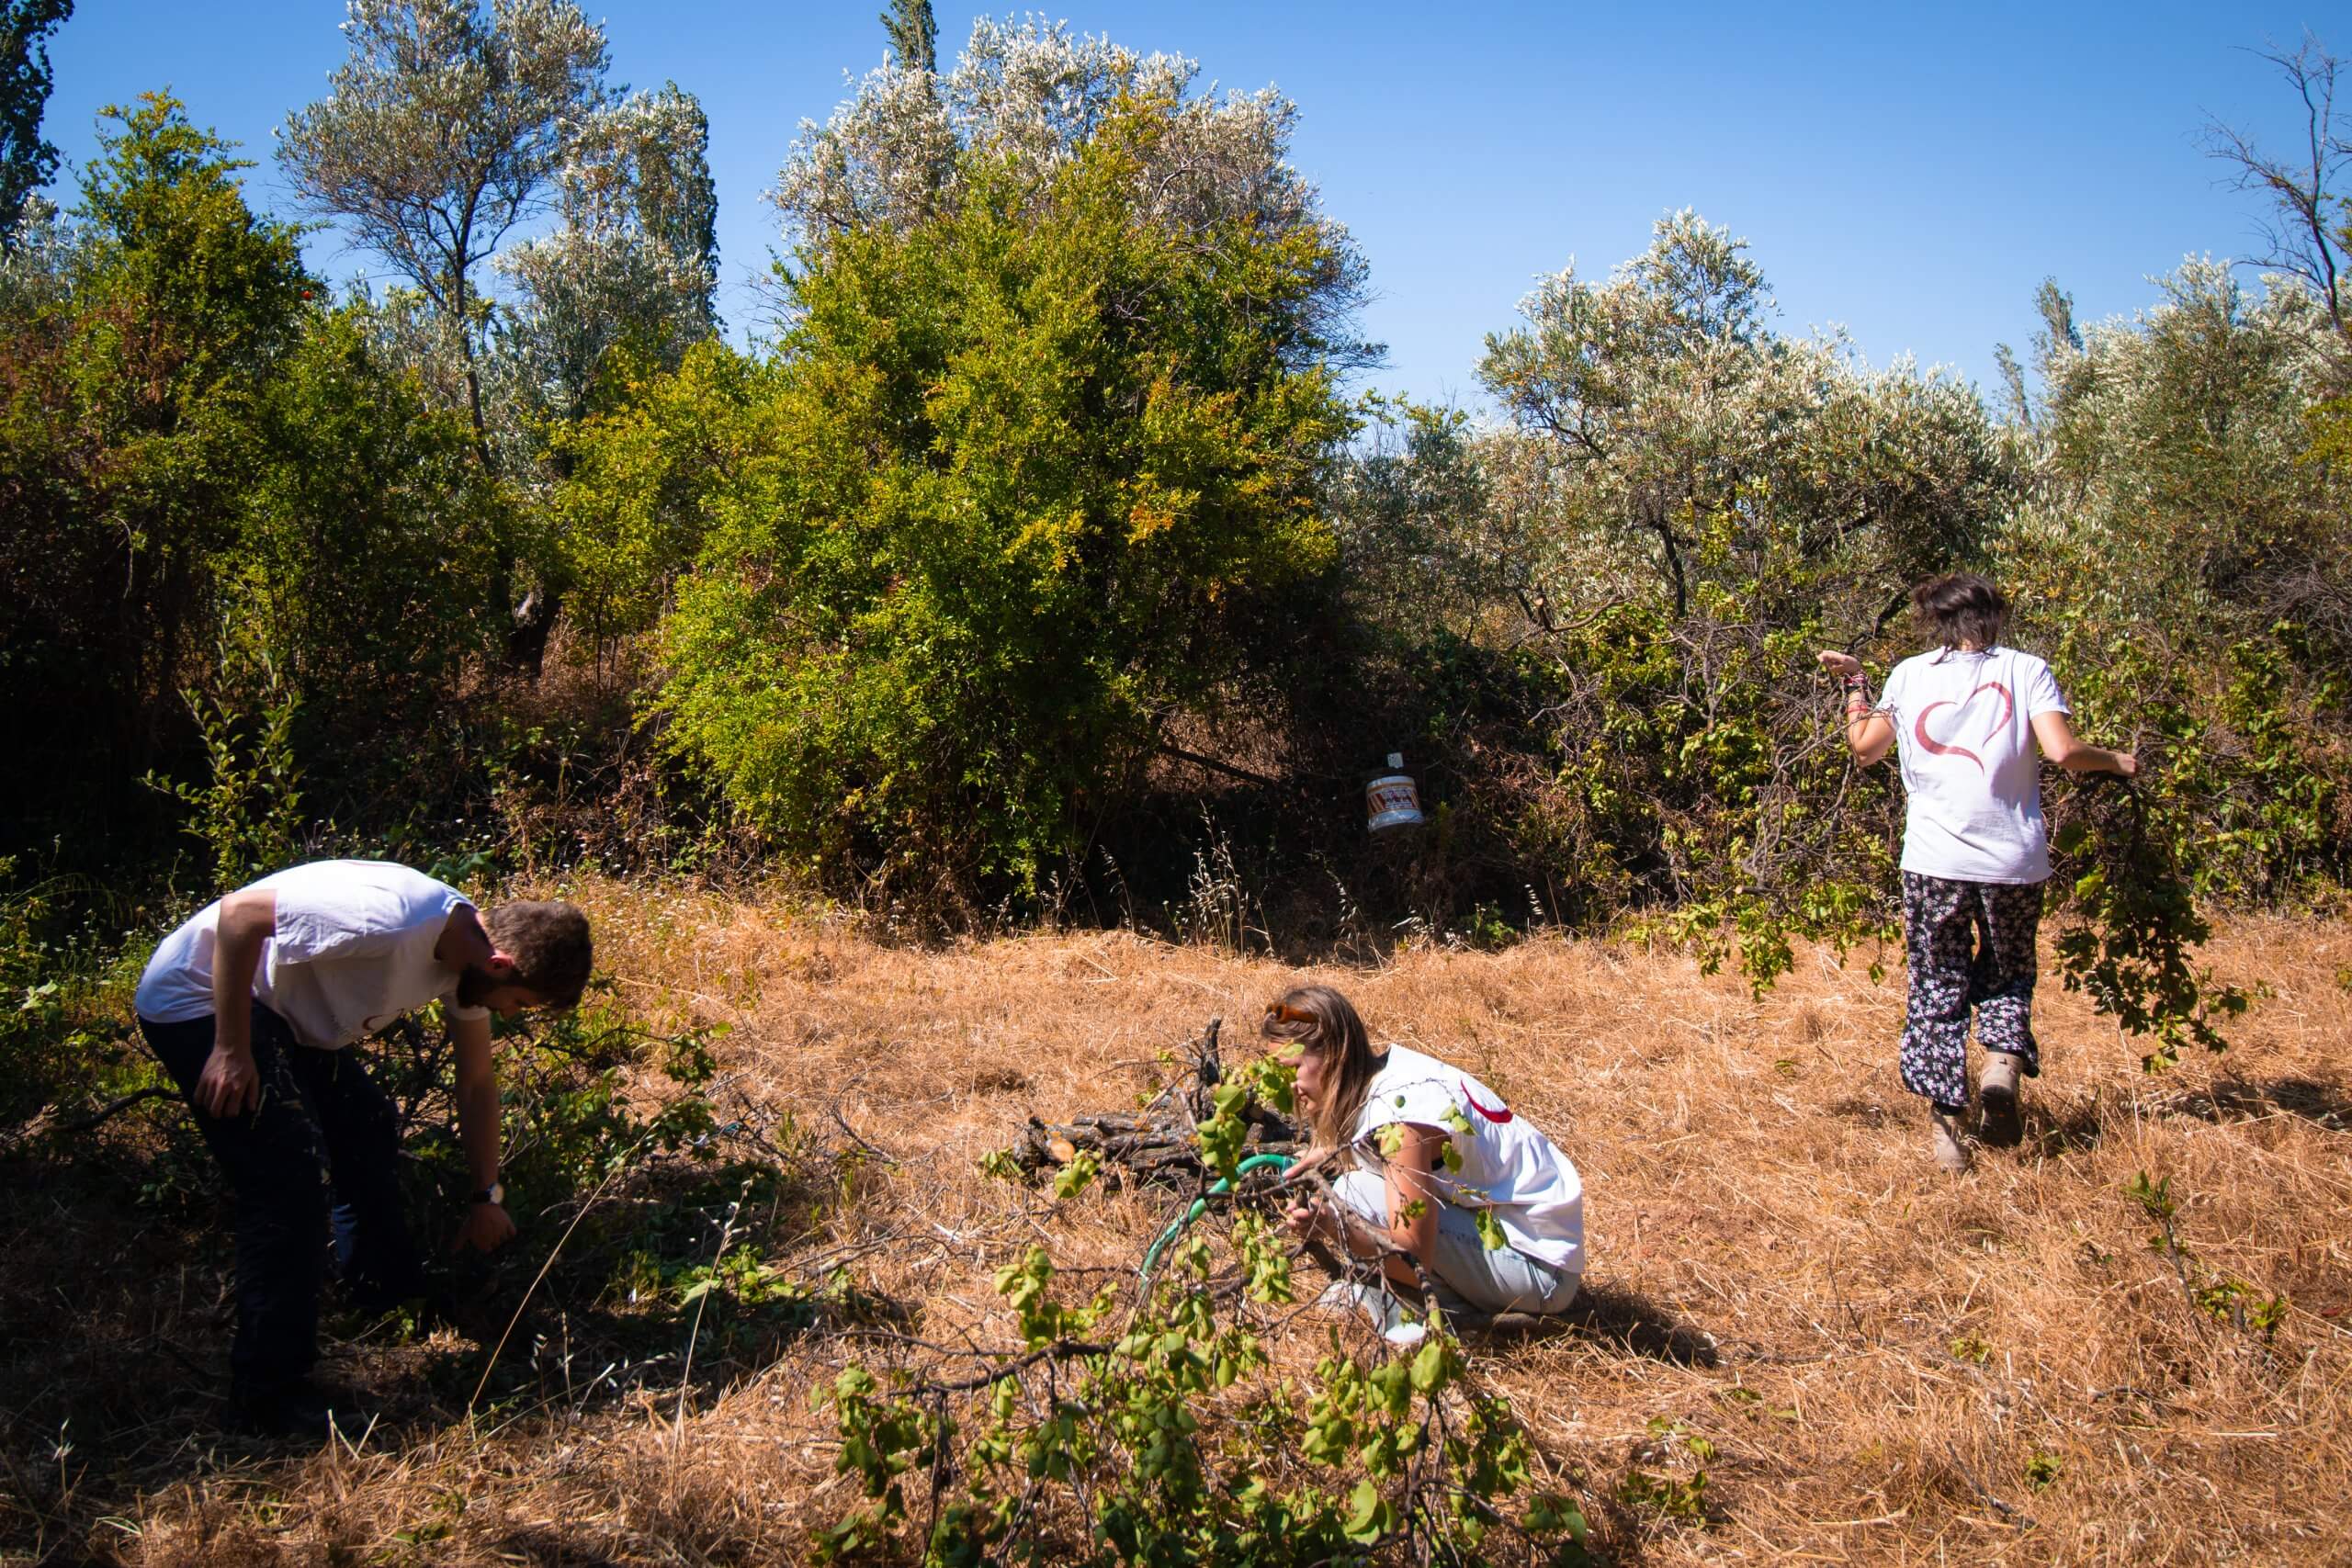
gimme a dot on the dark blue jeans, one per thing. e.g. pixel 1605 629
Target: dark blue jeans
pixel 318 1156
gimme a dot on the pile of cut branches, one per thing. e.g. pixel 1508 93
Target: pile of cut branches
pixel 1162 1143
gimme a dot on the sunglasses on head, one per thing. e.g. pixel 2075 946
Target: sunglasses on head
pixel 1283 1012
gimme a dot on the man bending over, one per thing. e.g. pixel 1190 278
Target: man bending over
pixel 250 1006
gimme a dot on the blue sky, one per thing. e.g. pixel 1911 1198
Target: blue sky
pixel 1912 172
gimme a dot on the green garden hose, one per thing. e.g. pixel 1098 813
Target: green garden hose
pixel 1200 1206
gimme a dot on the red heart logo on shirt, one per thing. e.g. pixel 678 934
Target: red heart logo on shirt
pixel 1498 1117
pixel 1930 743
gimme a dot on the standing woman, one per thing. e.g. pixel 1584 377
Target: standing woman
pixel 1968 715
pixel 1434 1163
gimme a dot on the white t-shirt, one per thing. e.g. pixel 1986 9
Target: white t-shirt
pixel 1506 1165
pixel 1964 723
pixel 351 951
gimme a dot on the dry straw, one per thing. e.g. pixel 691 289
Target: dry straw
pixel 1891 1365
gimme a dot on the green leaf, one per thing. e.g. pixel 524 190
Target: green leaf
pixel 1432 1367
pixel 1370 1515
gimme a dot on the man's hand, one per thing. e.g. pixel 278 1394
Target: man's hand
pixel 486 1229
pixel 229 1084
pixel 1839 664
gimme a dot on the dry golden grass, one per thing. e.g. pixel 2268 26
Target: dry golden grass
pixel 1774 1262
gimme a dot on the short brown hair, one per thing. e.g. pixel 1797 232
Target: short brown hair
pixel 1959 607
pixel 547 940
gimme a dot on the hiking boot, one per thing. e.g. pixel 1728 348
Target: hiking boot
pixel 299 1409
pixel 1944 1142
pixel 1996 1093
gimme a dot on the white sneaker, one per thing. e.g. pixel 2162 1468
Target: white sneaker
pixel 1387 1314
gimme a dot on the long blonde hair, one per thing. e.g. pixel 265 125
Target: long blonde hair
pixel 1322 1020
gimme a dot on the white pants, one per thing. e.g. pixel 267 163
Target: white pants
pixel 1468 1276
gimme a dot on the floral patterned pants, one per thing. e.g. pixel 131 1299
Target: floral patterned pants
pixel 1971 948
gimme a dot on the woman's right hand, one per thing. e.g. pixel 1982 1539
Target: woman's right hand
pixel 1839 664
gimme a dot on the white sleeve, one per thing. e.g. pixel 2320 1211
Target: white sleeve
pixel 1420 1102
pixel 1887 699
pixel 2041 692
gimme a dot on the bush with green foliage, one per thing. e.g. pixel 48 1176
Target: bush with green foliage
pixel 1148 1423
pixel 1029 473
pixel 204 459
pixel 2182 557
pixel 628 515
pixel 129 445
pixel 1687 506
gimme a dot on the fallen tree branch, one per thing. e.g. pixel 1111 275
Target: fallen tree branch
pixel 44 1121
pixel 1244 774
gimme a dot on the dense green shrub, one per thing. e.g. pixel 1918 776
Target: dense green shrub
pixel 204 469
pixel 135 356
pixel 2182 553
pixel 1029 472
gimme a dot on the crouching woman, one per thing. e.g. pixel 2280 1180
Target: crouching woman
pixel 1431 1163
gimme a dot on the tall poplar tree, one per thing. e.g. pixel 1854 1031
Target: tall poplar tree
pixel 914 34
pixel 27 161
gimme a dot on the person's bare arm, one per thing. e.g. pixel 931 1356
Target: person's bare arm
pixel 2056 738
pixel 487 1225
pixel 230 1084
pixel 1869 735
pixel 1412 1201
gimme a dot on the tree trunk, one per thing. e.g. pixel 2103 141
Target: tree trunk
pixel 526 636
pixel 529 620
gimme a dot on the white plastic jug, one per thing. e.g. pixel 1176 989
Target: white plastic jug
pixel 1392 800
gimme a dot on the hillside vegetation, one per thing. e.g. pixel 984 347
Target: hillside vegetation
pixel 950 700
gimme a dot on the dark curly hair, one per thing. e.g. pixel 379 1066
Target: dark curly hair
pixel 1960 609
pixel 549 942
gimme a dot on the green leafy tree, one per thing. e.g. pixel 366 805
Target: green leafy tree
pixel 913 33
pixel 635 262
pixel 26 159
pixel 441 133
pixel 363 557
pixel 209 471
pixel 628 516
pixel 2182 553
pixel 1686 504
pixel 130 445
pixel 1032 469
pixel 1028 97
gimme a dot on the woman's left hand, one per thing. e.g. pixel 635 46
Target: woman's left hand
pixel 1308 1222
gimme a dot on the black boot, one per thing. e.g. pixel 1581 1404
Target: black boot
pixel 297 1409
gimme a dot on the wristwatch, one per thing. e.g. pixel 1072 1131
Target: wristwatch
pixel 493 1193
